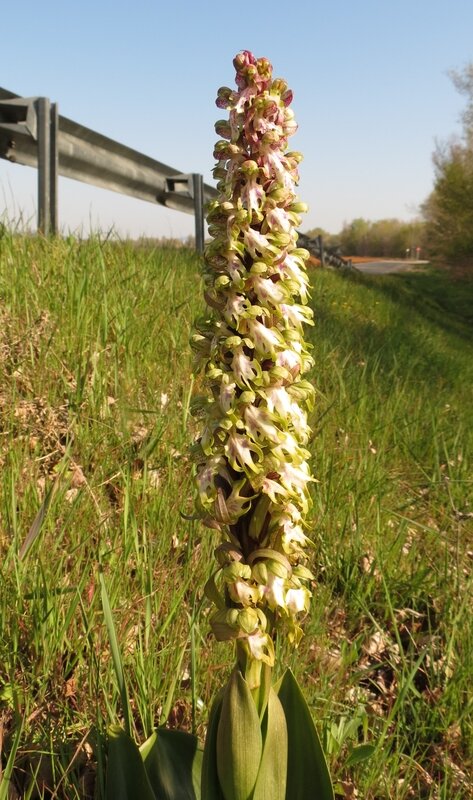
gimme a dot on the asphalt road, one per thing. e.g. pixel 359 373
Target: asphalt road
pixel 385 267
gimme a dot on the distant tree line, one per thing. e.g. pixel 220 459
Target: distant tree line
pixel 445 229
pixel 389 238
pixel 448 211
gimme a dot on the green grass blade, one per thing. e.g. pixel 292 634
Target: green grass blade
pixel 116 655
pixel 8 771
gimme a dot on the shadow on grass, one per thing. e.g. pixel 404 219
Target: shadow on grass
pixel 434 294
pixel 397 352
pixel 407 337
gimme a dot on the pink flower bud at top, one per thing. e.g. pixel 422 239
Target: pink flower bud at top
pixel 223 129
pixel 287 97
pixel 223 97
pixel 278 86
pixel 265 71
pixel 243 59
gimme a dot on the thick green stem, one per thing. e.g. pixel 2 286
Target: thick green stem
pixel 258 676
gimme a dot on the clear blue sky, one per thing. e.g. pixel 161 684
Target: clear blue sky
pixel 371 94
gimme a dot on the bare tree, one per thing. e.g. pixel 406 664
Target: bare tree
pixel 463 82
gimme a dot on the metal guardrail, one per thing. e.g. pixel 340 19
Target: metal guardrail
pixel 326 257
pixel 33 133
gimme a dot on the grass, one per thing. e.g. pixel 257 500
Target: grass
pixel 94 475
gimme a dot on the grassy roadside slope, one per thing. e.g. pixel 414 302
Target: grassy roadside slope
pixel 392 451
pixel 94 427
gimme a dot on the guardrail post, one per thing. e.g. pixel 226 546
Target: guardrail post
pixel 48 123
pixel 54 168
pixel 198 194
pixel 44 164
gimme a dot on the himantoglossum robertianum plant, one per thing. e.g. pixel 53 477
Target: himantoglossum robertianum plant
pixel 252 461
pixel 251 457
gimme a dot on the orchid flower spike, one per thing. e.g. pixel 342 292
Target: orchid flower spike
pixel 252 470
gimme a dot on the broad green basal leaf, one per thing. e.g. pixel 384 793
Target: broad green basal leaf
pixel 308 777
pixel 126 775
pixel 271 781
pixel 173 763
pixel 239 741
